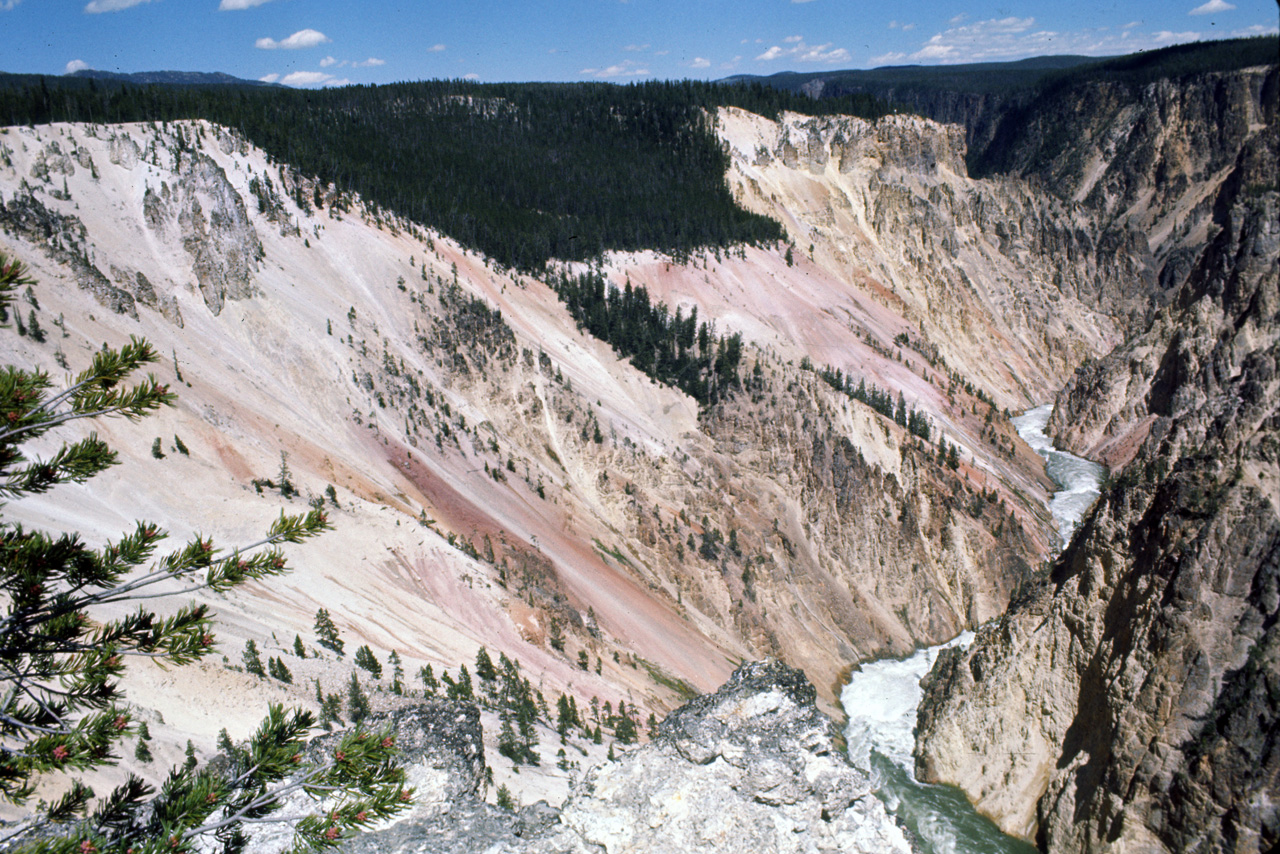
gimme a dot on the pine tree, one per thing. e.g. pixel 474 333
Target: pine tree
pixel 485 671
pixel 276 667
pixel 284 478
pixel 142 752
pixel 298 649
pixel 331 710
pixel 460 689
pixel 327 632
pixel 429 682
pixel 366 660
pixel 397 673
pixel 508 742
pixel 62 656
pixel 625 729
pixel 252 663
pixel 357 702
pixel 562 716
pixel 33 327
pixel 504 798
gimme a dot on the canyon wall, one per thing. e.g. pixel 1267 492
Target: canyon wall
pixel 978 267
pixel 496 476
pixel 1130 701
pixel 499 478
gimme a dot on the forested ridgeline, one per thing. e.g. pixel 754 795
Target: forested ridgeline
pixel 521 172
pixel 1002 103
pixel 1034 75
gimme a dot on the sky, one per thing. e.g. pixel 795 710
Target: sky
pixel 310 43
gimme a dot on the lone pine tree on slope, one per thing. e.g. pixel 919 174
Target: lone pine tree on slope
pixel 61 659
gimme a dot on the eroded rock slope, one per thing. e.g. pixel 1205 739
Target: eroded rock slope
pixel 1131 702
pixel 753 767
pixel 496 476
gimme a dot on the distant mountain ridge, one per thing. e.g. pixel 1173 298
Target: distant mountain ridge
pixel 970 75
pixel 1003 106
pixel 169 78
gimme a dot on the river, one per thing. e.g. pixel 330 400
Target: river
pixel 881 698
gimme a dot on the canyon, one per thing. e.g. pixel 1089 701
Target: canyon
pixel 498 478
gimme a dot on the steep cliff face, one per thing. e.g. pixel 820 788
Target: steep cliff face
pixel 980 267
pixel 1155 149
pixel 1131 701
pixel 205 215
pixel 1180 185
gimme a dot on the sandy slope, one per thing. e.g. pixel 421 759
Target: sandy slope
pixel 311 356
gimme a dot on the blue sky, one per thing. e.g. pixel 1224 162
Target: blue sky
pixel 332 42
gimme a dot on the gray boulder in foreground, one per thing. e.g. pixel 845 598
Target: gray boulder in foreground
pixel 753 767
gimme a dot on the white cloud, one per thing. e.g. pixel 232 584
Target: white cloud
pixel 798 51
pixel 471 76
pixel 299 40
pixel 75 65
pixel 635 48
pixel 269 78
pixel 327 61
pixel 824 53
pixel 890 58
pixel 1168 37
pixel 699 62
pixel 313 78
pixel 1212 7
pixel 958 20
pixel 234 5
pixel 436 48
pixel 6 5
pixel 1255 30
pixel 97 6
pixel 306 78
pixel 1009 38
pixel 983 38
pixel 371 62
pixel 626 68
pixel 661 52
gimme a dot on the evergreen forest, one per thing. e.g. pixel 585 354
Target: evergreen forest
pixel 521 172
pixel 675 350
